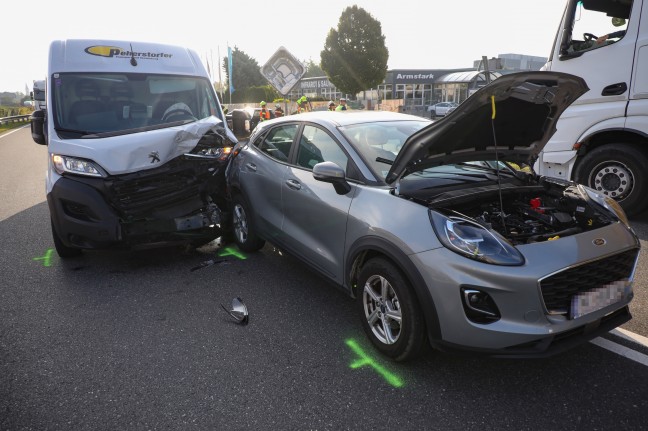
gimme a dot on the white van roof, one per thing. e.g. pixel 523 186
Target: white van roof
pixel 92 55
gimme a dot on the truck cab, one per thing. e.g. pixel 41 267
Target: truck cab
pixel 137 146
pixel 602 139
pixel 38 94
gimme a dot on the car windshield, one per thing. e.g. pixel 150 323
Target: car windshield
pixel 90 103
pixel 381 140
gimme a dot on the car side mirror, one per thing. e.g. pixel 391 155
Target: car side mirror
pixel 38 126
pixel 330 172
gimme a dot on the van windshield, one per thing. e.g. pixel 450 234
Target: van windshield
pixel 90 103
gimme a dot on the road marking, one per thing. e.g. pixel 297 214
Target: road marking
pixel 630 336
pixel 364 359
pixel 46 258
pixel 621 350
pixel 12 131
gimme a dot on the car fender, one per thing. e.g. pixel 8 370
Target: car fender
pixel 369 246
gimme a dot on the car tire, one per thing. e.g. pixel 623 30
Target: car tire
pixel 61 249
pixel 243 226
pixel 390 314
pixel 618 171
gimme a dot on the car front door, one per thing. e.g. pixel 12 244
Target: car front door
pixel 262 174
pixel 315 216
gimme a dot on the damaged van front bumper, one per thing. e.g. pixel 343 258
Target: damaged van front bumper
pixel 180 201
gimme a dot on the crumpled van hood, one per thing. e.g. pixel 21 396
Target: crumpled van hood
pixel 139 151
pixel 525 108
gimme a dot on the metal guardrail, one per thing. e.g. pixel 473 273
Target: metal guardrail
pixel 15 119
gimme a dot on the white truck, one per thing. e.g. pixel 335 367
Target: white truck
pixel 137 145
pixel 602 138
pixel 38 94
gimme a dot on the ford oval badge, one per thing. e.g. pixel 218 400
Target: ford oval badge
pixel 599 241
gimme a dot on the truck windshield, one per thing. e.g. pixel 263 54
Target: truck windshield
pixel 88 103
pixel 594 24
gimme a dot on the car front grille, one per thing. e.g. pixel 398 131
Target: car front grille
pixel 558 289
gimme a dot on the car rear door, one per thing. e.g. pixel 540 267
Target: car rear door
pixel 315 216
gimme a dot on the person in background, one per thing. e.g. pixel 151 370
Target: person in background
pixel 264 114
pixel 331 106
pixel 278 111
pixel 302 104
pixel 342 106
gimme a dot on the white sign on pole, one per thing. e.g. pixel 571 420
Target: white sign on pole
pixel 283 71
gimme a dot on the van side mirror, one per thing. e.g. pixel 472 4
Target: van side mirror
pixel 330 172
pixel 38 126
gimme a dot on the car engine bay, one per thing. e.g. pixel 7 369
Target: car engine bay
pixel 527 214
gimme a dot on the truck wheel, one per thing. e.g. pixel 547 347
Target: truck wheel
pixel 389 311
pixel 61 249
pixel 618 171
pixel 243 227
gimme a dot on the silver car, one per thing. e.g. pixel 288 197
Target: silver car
pixel 442 108
pixel 441 231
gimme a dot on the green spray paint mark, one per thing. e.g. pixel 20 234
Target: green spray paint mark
pixel 228 251
pixel 46 258
pixel 364 359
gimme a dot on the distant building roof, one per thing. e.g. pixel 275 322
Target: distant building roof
pixel 468 76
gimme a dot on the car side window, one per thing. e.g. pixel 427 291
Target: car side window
pixel 316 146
pixel 277 142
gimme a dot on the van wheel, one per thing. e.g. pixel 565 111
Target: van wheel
pixel 61 249
pixel 617 171
pixel 243 227
pixel 390 314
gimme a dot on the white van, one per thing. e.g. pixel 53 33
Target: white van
pixel 602 138
pixel 137 144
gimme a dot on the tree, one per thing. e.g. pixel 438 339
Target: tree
pixel 355 55
pixel 245 71
pixel 313 70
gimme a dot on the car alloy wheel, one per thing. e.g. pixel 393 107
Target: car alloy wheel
pixel 391 316
pixel 382 309
pixel 243 229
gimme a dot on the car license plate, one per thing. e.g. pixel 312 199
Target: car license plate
pixel 595 299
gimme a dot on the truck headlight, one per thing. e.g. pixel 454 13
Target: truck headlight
pixel 472 240
pixel 74 165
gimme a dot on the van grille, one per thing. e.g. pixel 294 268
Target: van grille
pixel 558 289
pixel 135 195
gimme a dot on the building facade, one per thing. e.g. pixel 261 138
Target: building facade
pixel 418 88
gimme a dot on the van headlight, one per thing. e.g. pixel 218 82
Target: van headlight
pixel 74 165
pixel 468 238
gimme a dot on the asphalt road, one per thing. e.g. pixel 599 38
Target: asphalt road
pixel 138 340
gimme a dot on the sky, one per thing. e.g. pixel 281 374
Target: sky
pixel 419 34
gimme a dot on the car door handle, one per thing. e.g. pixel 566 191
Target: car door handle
pixel 614 89
pixel 251 166
pixel 293 184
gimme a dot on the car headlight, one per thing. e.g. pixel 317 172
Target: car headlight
pixel 608 203
pixel 74 165
pixel 472 240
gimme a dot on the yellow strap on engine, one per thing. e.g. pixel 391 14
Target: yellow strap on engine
pixel 493 106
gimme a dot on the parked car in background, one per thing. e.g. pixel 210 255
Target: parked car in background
pixel 256 116
pixel 238 121
pixel 442 108
pixel 437 241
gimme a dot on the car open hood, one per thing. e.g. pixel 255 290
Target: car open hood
pixel 525 108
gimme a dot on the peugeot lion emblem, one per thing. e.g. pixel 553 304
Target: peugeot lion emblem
pixel 155 156
pixel 599 241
